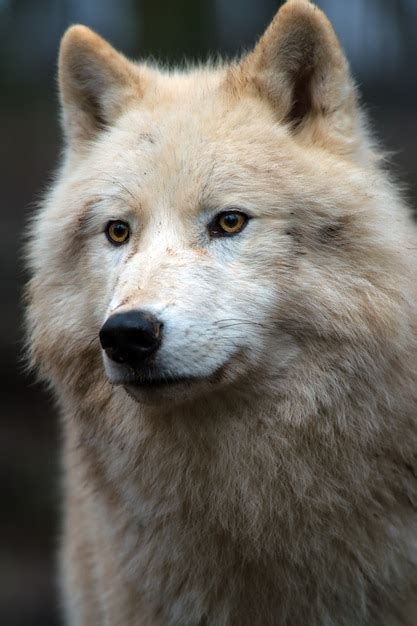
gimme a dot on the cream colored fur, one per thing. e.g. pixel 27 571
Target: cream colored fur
pixel 279 489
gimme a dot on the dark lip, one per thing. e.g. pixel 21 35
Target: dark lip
pixel 155 382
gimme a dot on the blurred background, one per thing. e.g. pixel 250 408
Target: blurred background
pixel 380 40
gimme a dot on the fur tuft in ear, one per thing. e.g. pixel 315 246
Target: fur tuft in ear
pixel 95 81
pixel 299 65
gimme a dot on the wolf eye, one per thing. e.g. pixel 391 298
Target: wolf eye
pixel 228 223
pixel 117 232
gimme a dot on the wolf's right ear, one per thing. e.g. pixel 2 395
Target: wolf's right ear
pixel 95 82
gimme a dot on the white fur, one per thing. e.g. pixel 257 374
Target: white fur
pixel 278 488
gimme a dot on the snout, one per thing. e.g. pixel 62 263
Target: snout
pixel 131 338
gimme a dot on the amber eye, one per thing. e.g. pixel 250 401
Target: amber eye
pixel 117 232
pixel 228 223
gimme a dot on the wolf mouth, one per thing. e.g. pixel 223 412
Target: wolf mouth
pixel 158 382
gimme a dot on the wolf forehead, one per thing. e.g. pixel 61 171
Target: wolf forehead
pixel 211 154
pixel 197 142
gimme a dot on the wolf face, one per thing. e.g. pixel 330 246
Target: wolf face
pixel 214 295
pixel 168 157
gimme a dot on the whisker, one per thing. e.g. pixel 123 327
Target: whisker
pixel 222 324
pixel 239 320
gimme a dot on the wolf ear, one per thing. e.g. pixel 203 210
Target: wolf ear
pixel 95 83
pixel 299 65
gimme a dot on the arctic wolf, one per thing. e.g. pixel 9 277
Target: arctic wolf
pixel 223 299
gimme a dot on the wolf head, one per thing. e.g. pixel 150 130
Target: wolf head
pixel 215 228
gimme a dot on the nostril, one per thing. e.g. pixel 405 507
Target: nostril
pixel 114 355
pixel 147 337
pixel 131 337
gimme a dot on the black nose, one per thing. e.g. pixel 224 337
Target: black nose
pixel 131 337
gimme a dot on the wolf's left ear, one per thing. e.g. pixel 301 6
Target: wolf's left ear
pixel 95 82
pixel 299 65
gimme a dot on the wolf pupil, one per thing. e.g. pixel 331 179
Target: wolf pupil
pixel 231 221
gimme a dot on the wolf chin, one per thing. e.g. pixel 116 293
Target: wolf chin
pixel 223 301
